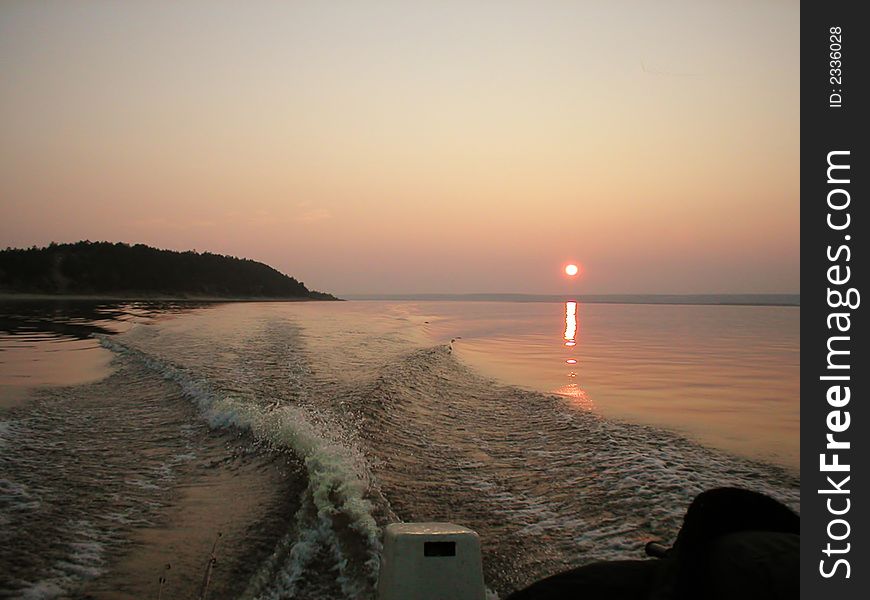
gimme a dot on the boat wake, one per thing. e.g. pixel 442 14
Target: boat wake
pixel 420 437
pixel 383 426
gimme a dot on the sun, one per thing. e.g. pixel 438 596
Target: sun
pixel 572 270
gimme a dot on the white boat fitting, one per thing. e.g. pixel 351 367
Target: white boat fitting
pixel 430 561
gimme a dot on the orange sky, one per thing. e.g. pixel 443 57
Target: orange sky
pixel 415 147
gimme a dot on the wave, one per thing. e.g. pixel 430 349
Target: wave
pixel 336 512
pixel 533 470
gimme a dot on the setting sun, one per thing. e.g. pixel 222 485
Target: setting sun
pixel 572 270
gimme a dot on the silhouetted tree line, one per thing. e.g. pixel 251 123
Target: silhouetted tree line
pixel 106 268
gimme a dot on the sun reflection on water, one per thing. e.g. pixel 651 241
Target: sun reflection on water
pixel 573 390
pixel 570 323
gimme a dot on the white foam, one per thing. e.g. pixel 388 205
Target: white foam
pixel 337 474
pixel 84 561
pixel 42 590
pixel 6 430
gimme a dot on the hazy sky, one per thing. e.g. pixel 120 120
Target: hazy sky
pixel 415 146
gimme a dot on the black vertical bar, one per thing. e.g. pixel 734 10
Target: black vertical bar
pixel 834 227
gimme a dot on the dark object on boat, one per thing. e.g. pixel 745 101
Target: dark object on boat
pixel 656 550
pixel 734 543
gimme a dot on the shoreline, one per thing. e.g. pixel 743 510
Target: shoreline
pixel 30 297
pixel 774 300
pixel 638 299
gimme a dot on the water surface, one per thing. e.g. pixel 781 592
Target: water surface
pixel 326 421
pixel 727 376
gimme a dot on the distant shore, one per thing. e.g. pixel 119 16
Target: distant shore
pixel 783 300
pixel 121 271
pixel 4 296
pixel 793 300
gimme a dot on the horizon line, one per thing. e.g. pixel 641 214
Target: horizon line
pixel 739 299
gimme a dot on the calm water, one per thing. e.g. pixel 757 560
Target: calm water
pixel 728 376
pixel 325 421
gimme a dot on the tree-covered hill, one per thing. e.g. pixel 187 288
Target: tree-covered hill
pixel 103 268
